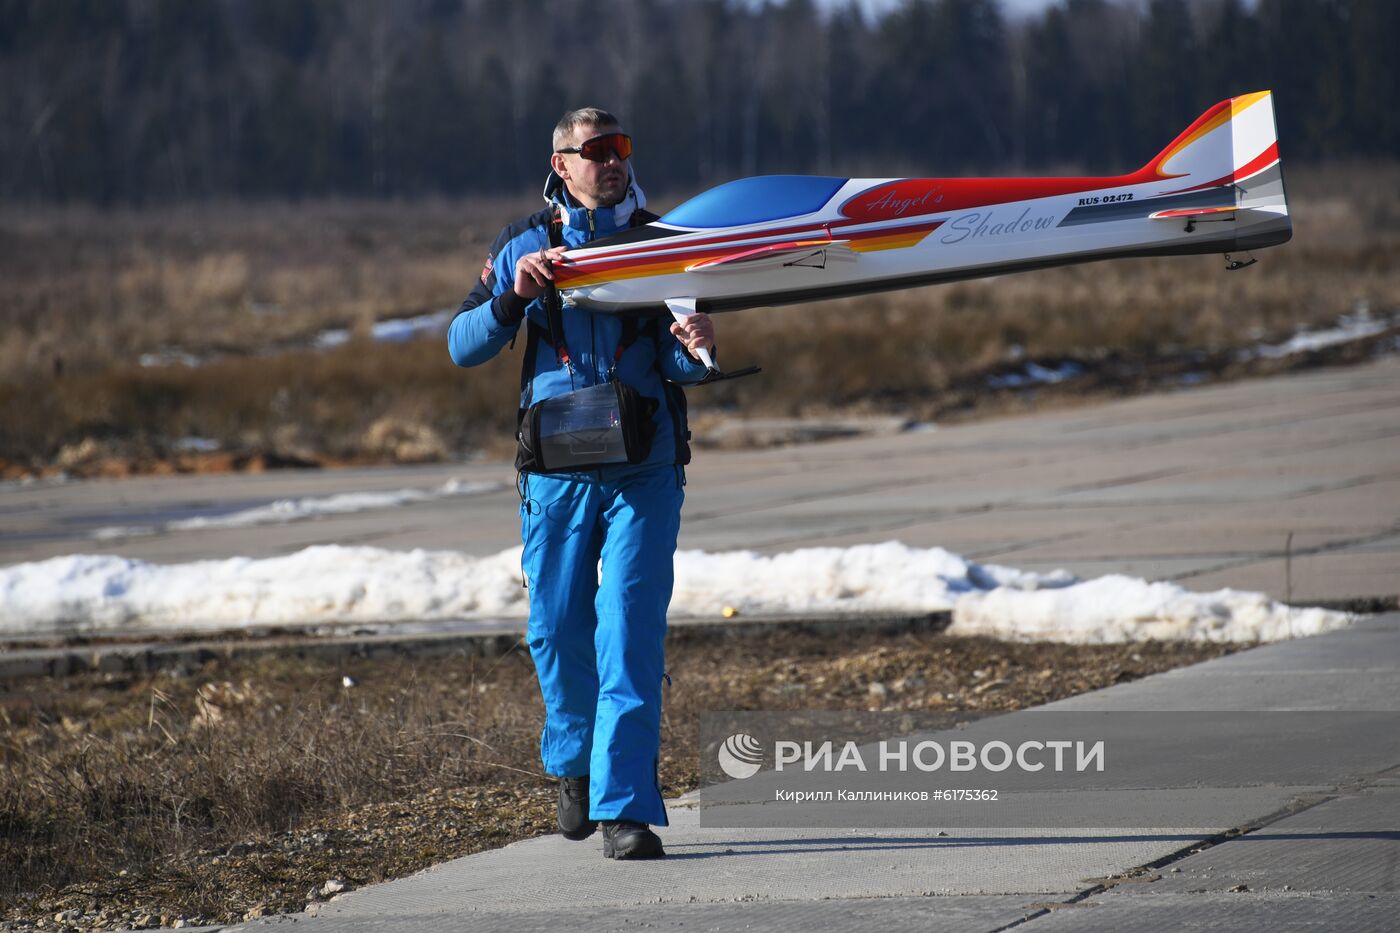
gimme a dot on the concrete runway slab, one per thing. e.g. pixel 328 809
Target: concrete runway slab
pixel 1200 485
pixel 1218 913
pixel 863 915
pixel 1315 577
pixel 1325 856
pixel 1346 845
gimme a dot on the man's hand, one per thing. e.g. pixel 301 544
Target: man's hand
pixel 697 333
pixel 532 272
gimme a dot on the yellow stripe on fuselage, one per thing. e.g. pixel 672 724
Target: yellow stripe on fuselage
pixel 899 239
pixel 890 241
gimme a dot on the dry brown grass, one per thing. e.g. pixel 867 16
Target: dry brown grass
pixel 96 290
pixel 166 767
pixel 194 795
pixel 99 288
pixel 298 406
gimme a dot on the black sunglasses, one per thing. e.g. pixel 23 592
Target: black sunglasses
pixel 598 148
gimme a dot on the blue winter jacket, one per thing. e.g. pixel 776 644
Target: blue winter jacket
pixel 491 316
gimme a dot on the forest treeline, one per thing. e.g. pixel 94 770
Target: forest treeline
pixel 141 101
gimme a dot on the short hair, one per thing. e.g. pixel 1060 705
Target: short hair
pixel 583 116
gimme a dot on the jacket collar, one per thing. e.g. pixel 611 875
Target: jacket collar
pixel 605 220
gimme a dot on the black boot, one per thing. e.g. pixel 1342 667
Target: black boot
pixel 573 809
pixel 626 839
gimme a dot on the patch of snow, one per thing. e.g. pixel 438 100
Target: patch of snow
pixel 399 330
pixel 1033 374
pixel 169 356
pixel 58 479
pixel 1349 327
pixel 1118 608
pixel 403 329
pixel 888 577
pixel 91 594
pixel 203 445
pixel 329 339
pixel 283 511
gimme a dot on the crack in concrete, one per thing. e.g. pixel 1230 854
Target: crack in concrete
pixel 1264 557
pixel 1301 805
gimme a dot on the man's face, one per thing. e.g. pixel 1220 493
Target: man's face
pixel 593 184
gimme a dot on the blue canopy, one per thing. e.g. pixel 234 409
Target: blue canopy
pixel 755 200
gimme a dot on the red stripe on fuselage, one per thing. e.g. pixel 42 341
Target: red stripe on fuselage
pixel 960 194
pixel 661 243
pixel 713 248
pixel 698 251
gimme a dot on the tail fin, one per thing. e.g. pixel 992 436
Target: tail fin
pixel 1229 142
pixel 1234 143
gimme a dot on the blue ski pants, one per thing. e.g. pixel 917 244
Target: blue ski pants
pixel 597 636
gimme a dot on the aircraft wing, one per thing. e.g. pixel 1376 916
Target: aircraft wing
pixel 1191 212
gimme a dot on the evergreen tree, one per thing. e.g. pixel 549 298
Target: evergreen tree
pixel 128 101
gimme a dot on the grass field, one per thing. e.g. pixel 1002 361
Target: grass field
pixel 246 287
pixel 233 790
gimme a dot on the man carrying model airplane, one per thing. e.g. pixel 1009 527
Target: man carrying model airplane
pixel 602 454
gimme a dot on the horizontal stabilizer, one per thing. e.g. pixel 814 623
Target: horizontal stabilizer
pixel 814 253
pixel 1191 212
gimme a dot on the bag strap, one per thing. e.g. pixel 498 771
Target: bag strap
pixel 554 313
pixel 553 306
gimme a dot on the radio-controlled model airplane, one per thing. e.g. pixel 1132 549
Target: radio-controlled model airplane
pixel 782 239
